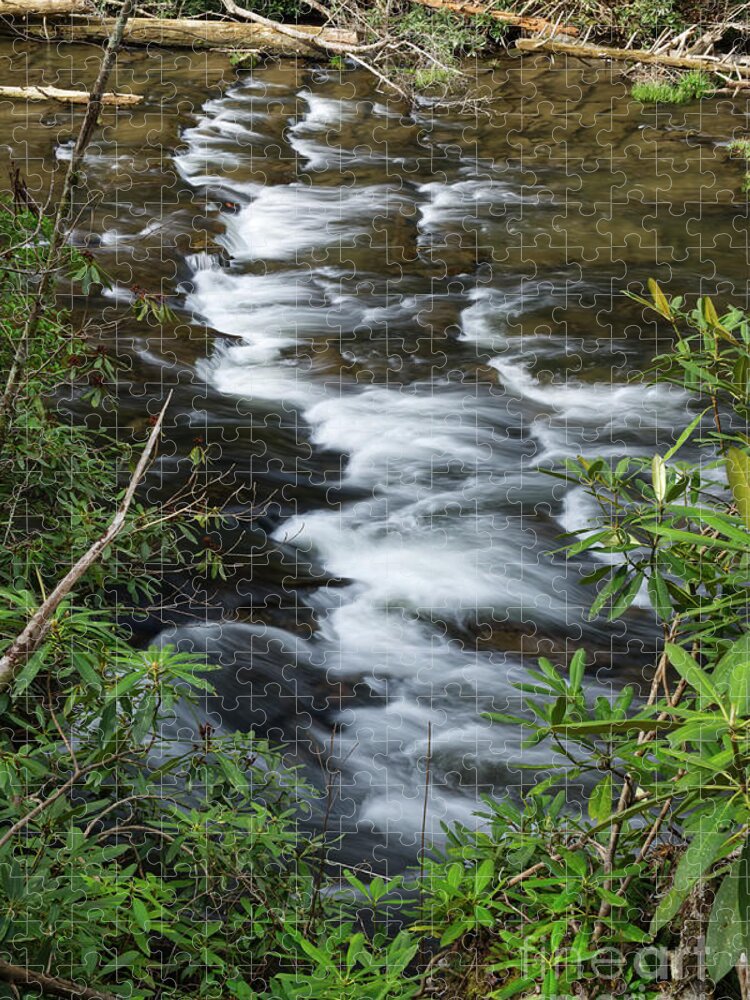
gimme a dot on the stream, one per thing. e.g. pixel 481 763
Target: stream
pixel 389 323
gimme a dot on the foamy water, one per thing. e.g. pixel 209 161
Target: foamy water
pixel 443 519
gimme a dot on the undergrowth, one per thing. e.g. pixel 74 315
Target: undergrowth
pixel 146 854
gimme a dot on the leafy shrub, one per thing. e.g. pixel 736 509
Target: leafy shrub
pixel 142 852
pixel 127 862
pixel 646 18
pixel 280 10
pixel 557 899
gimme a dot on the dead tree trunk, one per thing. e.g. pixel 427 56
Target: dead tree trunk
pixel 187 33
pixel 67 96
pixel 580 51
pixel 527 22
pixel 43 8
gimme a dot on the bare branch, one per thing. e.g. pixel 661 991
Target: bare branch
pixel 26 644
pixel 316 40
pixel 535 24
pixel 380 76
pixel 17 975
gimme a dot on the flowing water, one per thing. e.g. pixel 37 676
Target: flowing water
pixel 390 322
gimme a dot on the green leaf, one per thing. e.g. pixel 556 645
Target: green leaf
pixel 659 477
pixel 659 596
pixel 738 474
pixel 731 667
pixel 635 810
pixel 232 772
pixel 513 988
pixel 743 894
pixel 356 945
pixel 558 710
pixel 611 726
pixel 454 931
pixel 586 543
pixel 87 672
pixel 739 690
pixel 600 800
pixel 455 875
pixel 709 312
pixel 688 669
pixel 484 875
pixel 618 578
pixel 699 855
pixel 685 435
pixel 693 538
pixel 30 670
pixel 311 950
pixel 725 937
pixel 611 897
pixel 123 685
pixel 549 986
pixel 661 304
pixel 141 915
pixel 576 670
pixel 626 597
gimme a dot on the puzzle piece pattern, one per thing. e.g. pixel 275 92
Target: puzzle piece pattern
pixel 389 323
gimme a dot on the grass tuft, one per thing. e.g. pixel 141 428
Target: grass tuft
pixel 692 86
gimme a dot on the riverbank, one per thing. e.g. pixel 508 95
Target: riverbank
pixel 418 45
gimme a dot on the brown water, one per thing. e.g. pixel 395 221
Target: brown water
pixel 408 316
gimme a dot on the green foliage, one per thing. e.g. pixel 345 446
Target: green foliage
pixel 647 18
pixel 432 76
pixel 432 43
pixel 692 86
pixel 740 149
pixel 150 865
pixel 61 478
pixel 244 60
pixel 348 966
pixel 279 10
pixel 444 34
pixel 141 852
pixel 160 864
pixel 545 893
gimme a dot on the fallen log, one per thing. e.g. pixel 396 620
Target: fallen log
pixel 580 51
pixel 193 33
pixel 732 86
pixel 43 8
pixel 66 96
pixel 528 23
pixel 19 975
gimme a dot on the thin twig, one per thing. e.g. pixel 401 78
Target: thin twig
pixel 423 836
pixel 18 975
pixel 26 644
